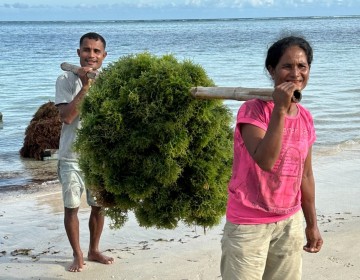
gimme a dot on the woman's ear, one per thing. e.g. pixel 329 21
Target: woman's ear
pixel 271 71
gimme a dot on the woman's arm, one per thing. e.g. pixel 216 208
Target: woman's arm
pixel 264 146
pixel 313 236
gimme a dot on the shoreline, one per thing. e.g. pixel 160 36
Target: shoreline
pixel 33 242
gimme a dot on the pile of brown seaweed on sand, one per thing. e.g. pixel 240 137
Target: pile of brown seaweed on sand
pixel 43 132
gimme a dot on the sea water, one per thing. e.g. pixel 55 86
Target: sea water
pixel 232 52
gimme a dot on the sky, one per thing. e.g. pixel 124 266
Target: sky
pixel 38 10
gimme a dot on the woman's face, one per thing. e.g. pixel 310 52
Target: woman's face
pixel 292 67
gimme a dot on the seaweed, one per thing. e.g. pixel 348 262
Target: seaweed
pixel 147 146
pixel 43 132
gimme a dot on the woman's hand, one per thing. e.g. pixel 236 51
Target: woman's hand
pixel 283 94
pixel 314 240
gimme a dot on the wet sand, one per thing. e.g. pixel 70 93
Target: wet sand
pixel 33 243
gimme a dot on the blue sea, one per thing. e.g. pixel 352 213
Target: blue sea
pixel 232 52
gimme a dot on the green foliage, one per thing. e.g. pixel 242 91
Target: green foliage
pixel 148 146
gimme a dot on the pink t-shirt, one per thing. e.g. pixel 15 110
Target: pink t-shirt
pixel 256 196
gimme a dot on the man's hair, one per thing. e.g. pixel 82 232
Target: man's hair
pixel 94 36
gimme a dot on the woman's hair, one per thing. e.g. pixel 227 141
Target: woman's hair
pixel 276 50
pixel 93 36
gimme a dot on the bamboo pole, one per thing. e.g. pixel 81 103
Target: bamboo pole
pixel 237 93
pixel 231 93
pixel 73 68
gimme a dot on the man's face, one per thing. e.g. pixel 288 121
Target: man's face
pixel 91 53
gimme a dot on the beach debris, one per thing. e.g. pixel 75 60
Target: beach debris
pixel 192 260
pixel 49 154
pixel 145 247
pixel 162 240
pixel 24 252
pixel 127 249
pixel 147 146
pixel 43 133
pixel 34 257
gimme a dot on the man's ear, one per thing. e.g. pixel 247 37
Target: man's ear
pixel 78 52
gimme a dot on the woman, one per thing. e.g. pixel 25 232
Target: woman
pixel 272 178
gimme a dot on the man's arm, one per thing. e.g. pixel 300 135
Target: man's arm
pixel 70 111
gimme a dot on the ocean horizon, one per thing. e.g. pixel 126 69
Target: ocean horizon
pixel 189 19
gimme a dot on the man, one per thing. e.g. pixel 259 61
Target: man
pixel 70 91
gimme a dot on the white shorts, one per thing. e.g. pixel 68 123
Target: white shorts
pixel 73 184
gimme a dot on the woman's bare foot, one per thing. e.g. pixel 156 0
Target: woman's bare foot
pixel 77 264
pixel 99 257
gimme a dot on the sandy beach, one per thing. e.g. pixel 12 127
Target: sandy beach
pixel 33 243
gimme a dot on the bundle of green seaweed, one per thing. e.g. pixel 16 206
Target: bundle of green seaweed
pixel 147 146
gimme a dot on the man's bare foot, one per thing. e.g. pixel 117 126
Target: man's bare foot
pixel 77 264
pixel 99 257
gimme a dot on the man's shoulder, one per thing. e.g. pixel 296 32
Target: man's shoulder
pixel 67 75
pixel 66 86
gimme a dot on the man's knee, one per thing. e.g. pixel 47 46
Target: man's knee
pixel 96 210
pixel 70 212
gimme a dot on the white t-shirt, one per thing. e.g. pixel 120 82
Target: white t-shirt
pixel 67 87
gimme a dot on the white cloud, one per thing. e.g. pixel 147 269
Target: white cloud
pixel 170 9
pixel 16 4
pixel 196 3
